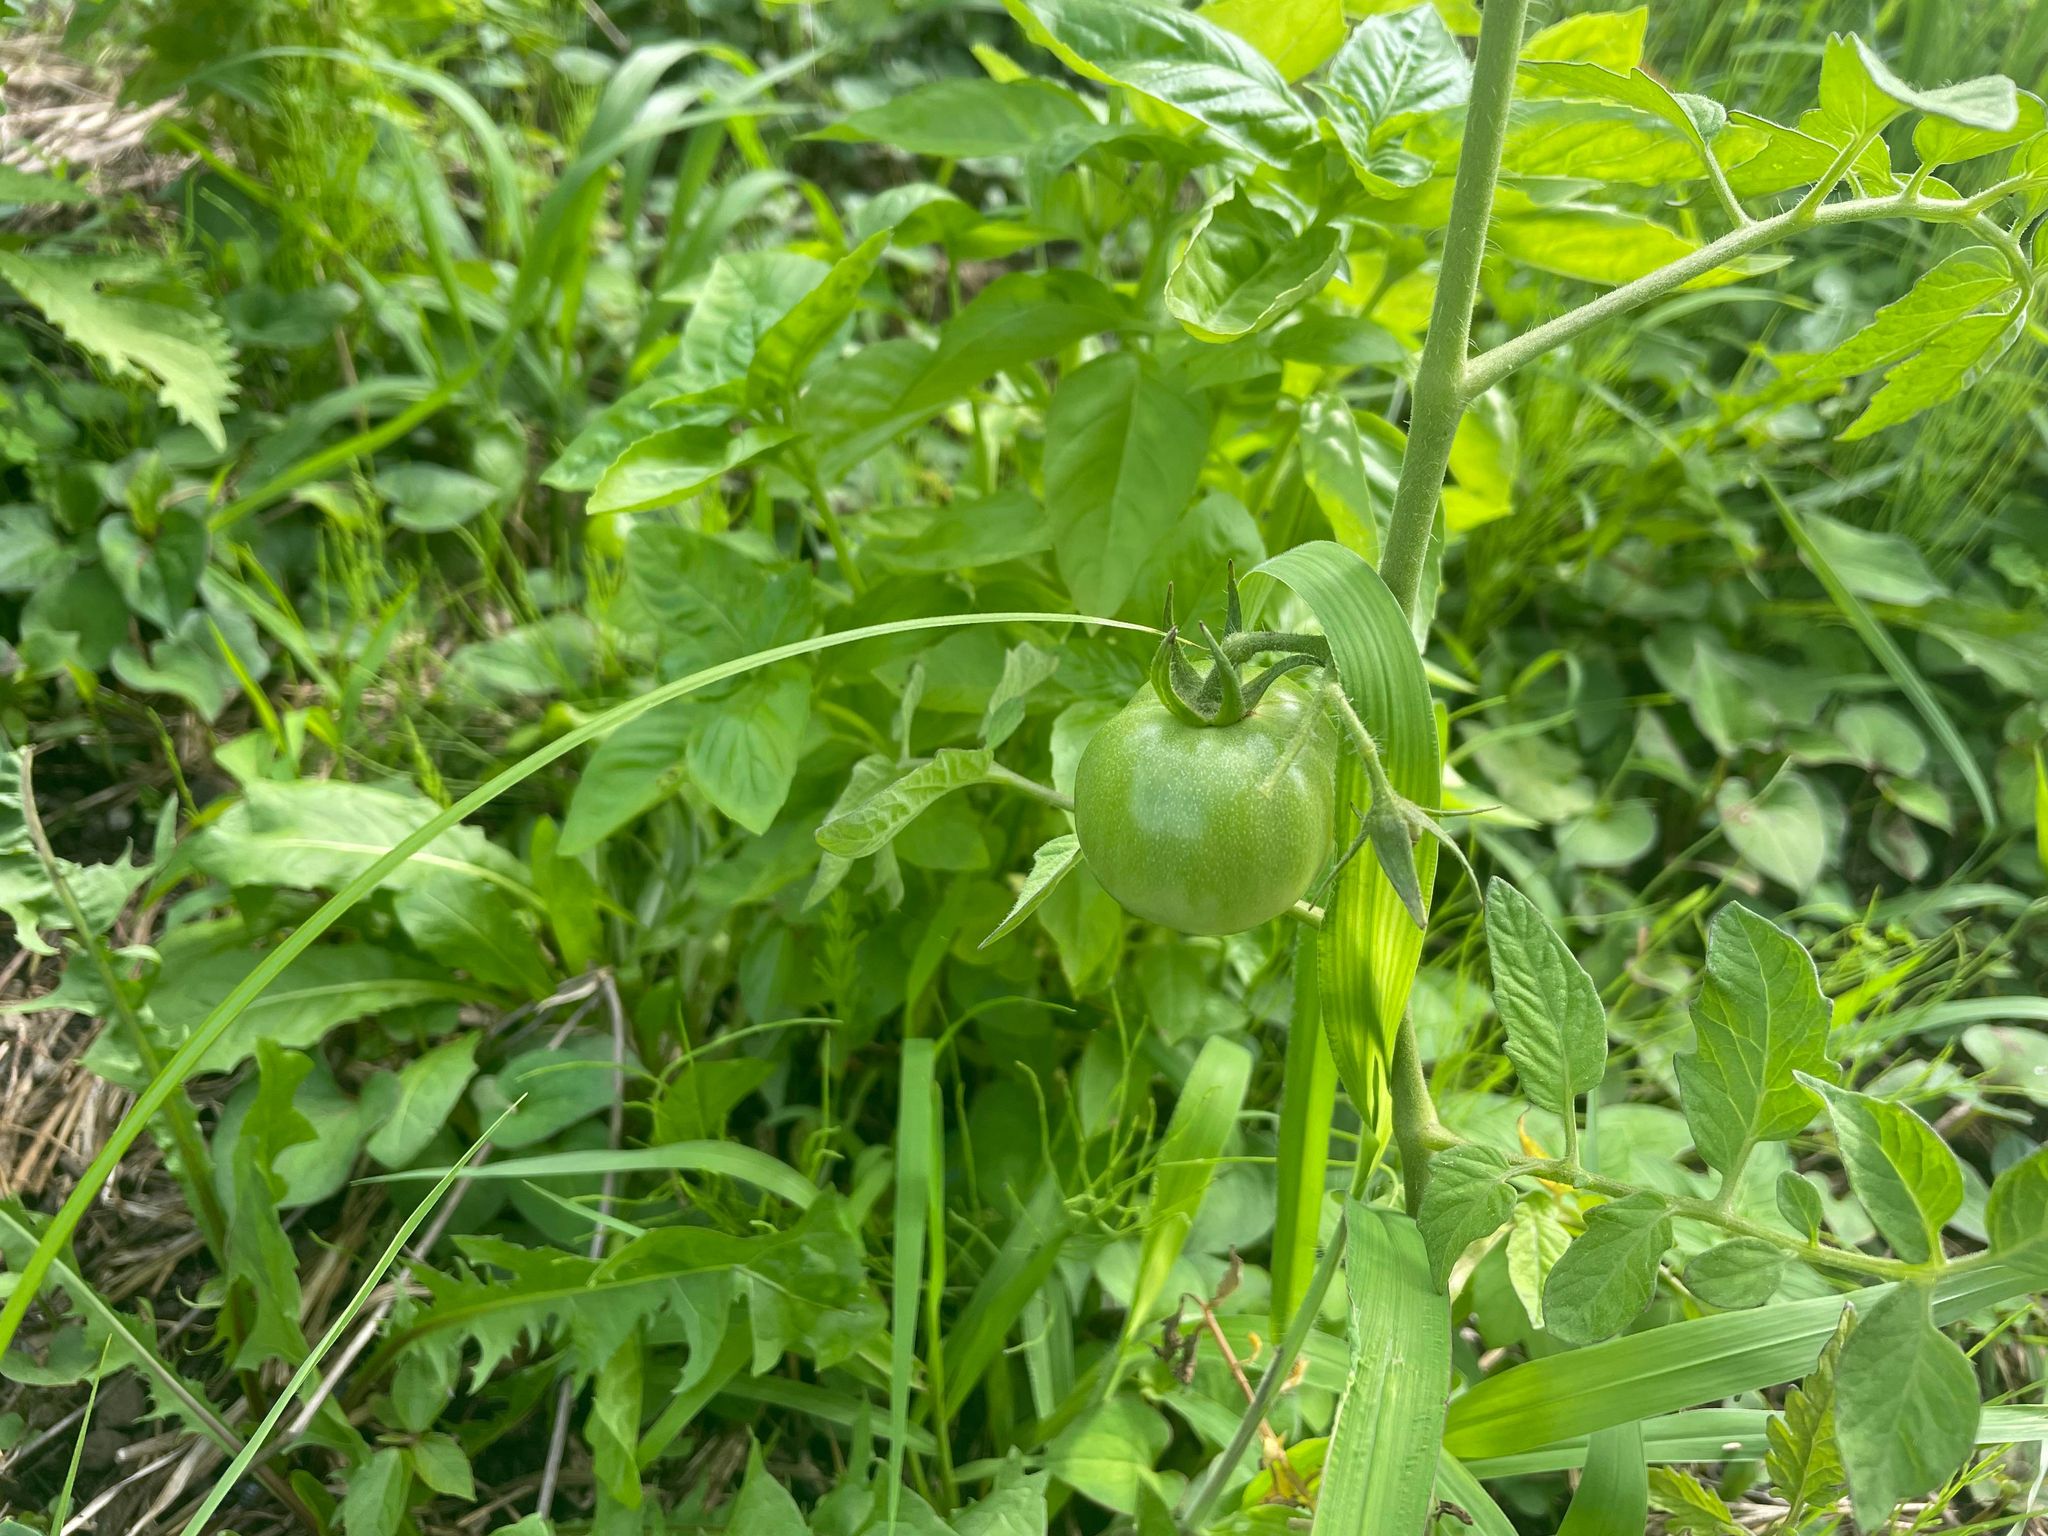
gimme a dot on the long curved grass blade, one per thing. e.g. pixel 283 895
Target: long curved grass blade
pixel 1613 1498
pixel 1890 657
pixel 1309 1098
pixel 1662 1370
pixel 1458 1487
pixel 916 1130
pixel 308 1367
pixel 1369 946
pixel 726 1159
pixel 151 1100
pixel 1381 1470
pixel 1203 1119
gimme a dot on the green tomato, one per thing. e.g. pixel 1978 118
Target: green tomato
pixel 1209 829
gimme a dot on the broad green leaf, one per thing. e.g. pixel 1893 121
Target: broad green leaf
pixel 1803 1461
pixel 1245 267
pixel 1087 930
pixel 869 825
pixel 1741 1272
pixel 1175 56
pixel 788 347
pixel 741 299
pixel 260 1268
pixel 1025 668
pixel 1537 1239
pixel 1899 1167
pixel 1594 245
pixel 1606 1277
pixel 1018 318
pixel 33 189
pixel 1701 122
pixel 1760 1021
pixel 966 119
pixel 432 498
pixel 1689 1506
pixel 1878 567
pixel 764 1507
pixel 473 927
pixel 1123 451
pixel 1859 94
pixel 1799 1205
pixel 1949 364
pixel 708 599
pixel 636 767
pixel 1613 1497
pixel 378 1493
pixel 2012 1056
pixel 1957 285
pixel 1380 1470
pixel 560 1084
pixel 611 1428
pixel 1608 39
pixel 743 749
pixel 183 350
pixel 1780 829
pixel 1944 141
pixel 1351 474
pixel 1594 140
pixel 642 412
pixel 158 575
pixel 2016 1218
pixel 1392 70
pixel 1556 1028
pixel 440 1463
pixel 1468 1198
pixel 1906 1404
pixel 1296 35
pixel 409 1107
pixel 1106 1454
pixel 1052 863
pixel 1777 159
pixel 1204 1119
pixel 666 468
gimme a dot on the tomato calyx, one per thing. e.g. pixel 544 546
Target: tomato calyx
pixel 1222 696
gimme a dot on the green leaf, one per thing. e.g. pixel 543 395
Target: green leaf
pixel 1351 473
pixel 1537 1238
pixel 1204 1119
pixel 32 189
pixel 432 498
pixel 636 767
pixel 1609 39
pixel 1690 1507
pixel 1859 94
pixel 642 412
pixel 409 1107
pixel 260 1268
pixel 966 119
pixel 789 346
pixel 1123 452
pixel 440 1463
pixel 159 574
pixel 672 465
pixel 378 1492
pixel 561 1084
pixel 1468 1197
pixel 1741 1272
pixel 1804 1463
pixel 184 351
pixel 1900 1168
pixel 1380 1472
pixel 1944 141
pixel 1961 283
pixel 764 1507
pixel 1760 1022
pixel 1701 122
pixel 874 822
pixel 1608 1274
pixel 612 1426
pixel 1595 245
pixel 1949 364
pixel 1176 57
pixel 1613 1497
pixel 1297 35
pixel 1604 141
pixel 1106 1454
pixel 1017 319
pixel 1052 863
pixel 1025 668
pixel 1779 829
pixel 1556 1028
pixel 473 927
pixel 1392 70
pixel 743 749
pixel 1906 1404
pixel 2016 1218
pixel 1245 267
pixel 1799 1205
pixel 742 298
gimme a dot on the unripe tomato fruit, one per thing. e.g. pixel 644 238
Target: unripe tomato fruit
pixel 1209 829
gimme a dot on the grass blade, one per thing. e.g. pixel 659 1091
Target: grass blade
pixel 1613 1498
pixel 916 1131
pixel 725 1159
pixel 1662 1370
pixel 1309 1099
pixel 1380 1474
pixel 150 1102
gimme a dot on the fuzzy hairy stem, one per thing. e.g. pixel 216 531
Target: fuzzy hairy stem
pixel 1440 395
